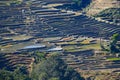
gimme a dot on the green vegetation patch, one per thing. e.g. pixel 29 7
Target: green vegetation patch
pixel 54 68
pixel 19 37
pixel 79 47
pixel 9 2
pixel 91 46
pixel 113 59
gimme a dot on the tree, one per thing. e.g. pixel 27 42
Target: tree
pixel 9 75
pixel 43 76
pixel 39 56
pixel 54 68
pixel 113 44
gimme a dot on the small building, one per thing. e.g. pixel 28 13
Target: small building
pixel 56 49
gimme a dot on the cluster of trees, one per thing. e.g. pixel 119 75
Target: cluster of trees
pixel 18 74
pixel 113 47
pixel 44 68
pixel 39 56
pixel 54 68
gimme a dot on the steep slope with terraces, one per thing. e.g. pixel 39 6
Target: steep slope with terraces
pixel 11 61
pixel 48 21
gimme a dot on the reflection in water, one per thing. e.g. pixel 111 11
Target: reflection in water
pixel 34 46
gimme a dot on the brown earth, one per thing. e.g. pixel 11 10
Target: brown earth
pixel 98 5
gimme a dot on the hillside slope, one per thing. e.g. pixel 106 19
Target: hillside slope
pixel 110 14
pixel 97 6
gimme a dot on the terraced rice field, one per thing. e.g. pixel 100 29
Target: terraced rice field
pixel 46 21
pixel 10 61
pixel 81 25
pixel 42 20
